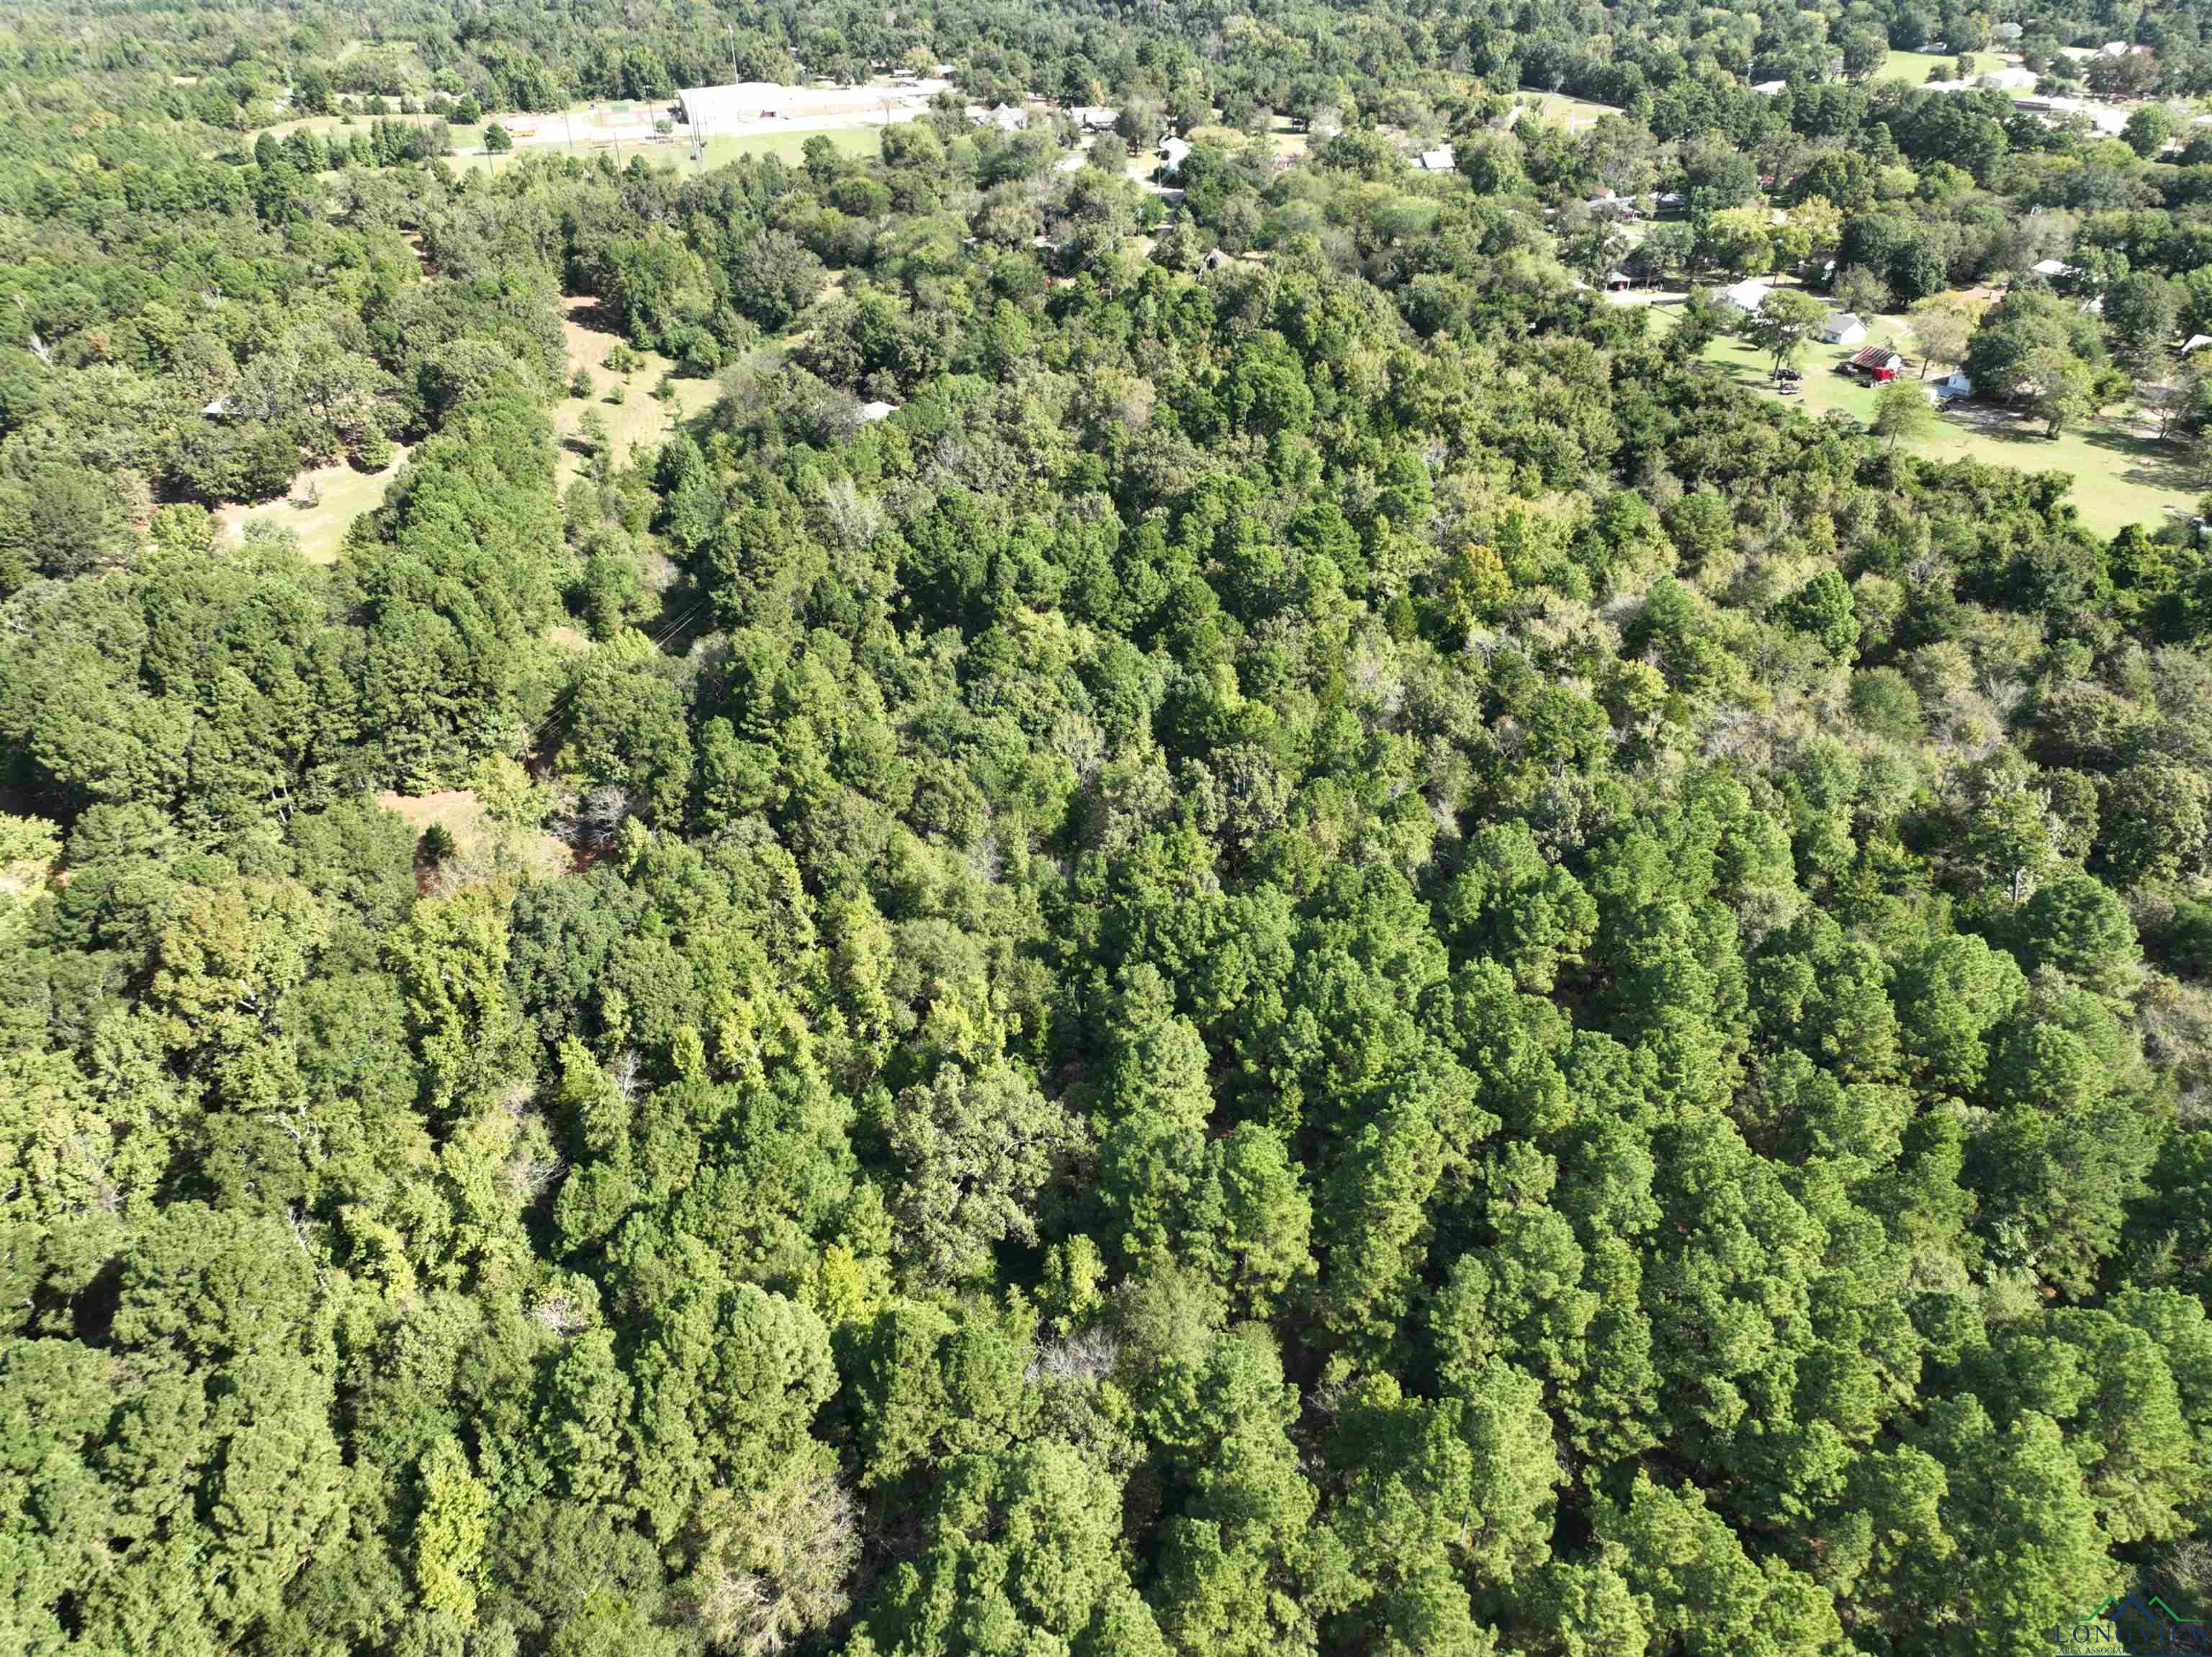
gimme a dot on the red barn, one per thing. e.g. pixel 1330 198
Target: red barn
pixel 1879 364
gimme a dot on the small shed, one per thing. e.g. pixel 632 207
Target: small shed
pixel 1842 328
pixel 878 410
pixel 1618 282
pixel 1439 160
pixel 1953 385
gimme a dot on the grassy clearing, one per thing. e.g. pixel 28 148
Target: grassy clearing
pixel 345 494
pixel 1914 66
pixel 458 811
pixel 2119 477
pixel 1557 109
pixel 638 421
pixel 482 848
pixel 792 146
pixel 326 125
pixel 469 153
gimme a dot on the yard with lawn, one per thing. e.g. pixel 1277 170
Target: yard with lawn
pixel 1915 66
pixel 2120 477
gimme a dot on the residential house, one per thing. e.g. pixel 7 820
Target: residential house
pixel 1747 296
pixel 1842 328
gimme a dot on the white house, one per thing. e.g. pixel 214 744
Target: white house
pixel 1842 328
pixel 2051 269
pixel 1953 385
pixel 1094 118
pixel 1768 88
pixel 1748 295
pixel 878 410
pixel 1172 152
pixel 1439 160
pixel 1007 118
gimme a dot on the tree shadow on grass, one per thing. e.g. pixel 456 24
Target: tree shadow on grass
pixel 1999 422
pixel 2149 462
pixel 596 314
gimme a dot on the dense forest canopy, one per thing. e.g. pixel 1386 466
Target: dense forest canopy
pixel 1218 922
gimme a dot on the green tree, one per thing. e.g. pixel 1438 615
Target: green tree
pixel 1785 322
pixel 975 1152
pixel 1902 414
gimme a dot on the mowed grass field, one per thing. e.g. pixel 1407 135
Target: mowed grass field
pixel 2120 477
pixel 1914 66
